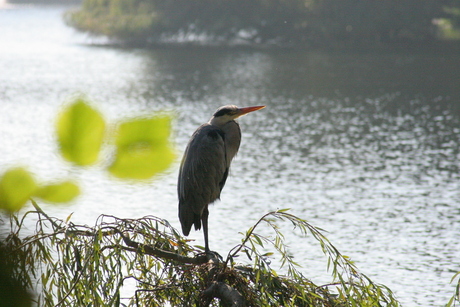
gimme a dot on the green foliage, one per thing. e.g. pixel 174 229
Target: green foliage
pixel 142 148
pixel 378 21
pixel 352 287
pixel 149 20
pixel 449 26
pixel 16 186
pixel 114 18
pixel 81 266
pixel 320 22
pixel 61 192
pixel 80 131
pixel 12 291
pixel 455 299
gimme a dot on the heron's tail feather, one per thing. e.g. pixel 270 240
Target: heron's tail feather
pixel 188 218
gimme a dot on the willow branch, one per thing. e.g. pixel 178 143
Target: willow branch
pixel 246 239
pixel 132 245
pixel 40 211
pixel 153 251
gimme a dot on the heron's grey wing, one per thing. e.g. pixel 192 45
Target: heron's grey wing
pixel 203 169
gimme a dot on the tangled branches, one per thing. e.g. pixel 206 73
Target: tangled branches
pixel 145 262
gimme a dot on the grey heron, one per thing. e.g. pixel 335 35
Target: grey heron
pixel 205 165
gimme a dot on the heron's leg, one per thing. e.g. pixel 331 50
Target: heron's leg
pixel 204 220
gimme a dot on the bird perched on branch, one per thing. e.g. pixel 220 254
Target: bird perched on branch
pixel 205 165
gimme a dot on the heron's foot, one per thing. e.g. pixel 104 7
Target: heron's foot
pixel 210 255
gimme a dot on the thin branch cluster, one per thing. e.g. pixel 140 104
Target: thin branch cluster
pixel 145 262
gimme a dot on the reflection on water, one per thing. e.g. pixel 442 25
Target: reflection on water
pixel 365 145
pixel 416 140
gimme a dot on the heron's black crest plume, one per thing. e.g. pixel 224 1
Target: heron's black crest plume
pixel 226 110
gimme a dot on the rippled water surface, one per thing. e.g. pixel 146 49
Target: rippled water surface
pixel 362 144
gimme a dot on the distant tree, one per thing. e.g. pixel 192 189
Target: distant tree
pixel 217 20
pixel 276 22
pixel 449 26
pixel 376 21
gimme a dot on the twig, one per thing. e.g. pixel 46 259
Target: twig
pixel 246 239
pixel 39 210
pixel 80 273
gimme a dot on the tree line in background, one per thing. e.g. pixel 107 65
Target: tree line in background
pixel 272 22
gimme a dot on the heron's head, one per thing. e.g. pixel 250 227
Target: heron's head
pixel 230 112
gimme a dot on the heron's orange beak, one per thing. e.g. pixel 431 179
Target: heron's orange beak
pixel 246 110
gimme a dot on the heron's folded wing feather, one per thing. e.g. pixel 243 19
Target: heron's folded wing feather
pixel 203 168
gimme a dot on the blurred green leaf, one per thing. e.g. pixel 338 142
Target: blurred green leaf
pixel 16 186
pixel 61 192
pixel 143 148
pixel 80 131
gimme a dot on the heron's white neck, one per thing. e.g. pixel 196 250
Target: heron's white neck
pixel 220 121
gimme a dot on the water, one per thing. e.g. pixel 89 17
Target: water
pixel 362 144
